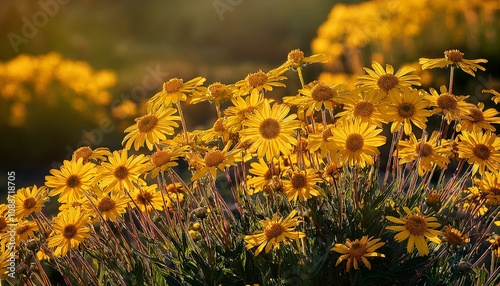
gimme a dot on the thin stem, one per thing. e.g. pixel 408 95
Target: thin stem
pixel 450 87
pixel 183 122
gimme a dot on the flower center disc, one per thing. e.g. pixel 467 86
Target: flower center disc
pixel 161 158
pixel 83 152
pixel 299 181
pixel 354 142
pixel 416 225
pixel 322 92
pixel 495 191
pixel 481 151
pixel 3 223
pixel 270 128
pixel 121 172
pixel 214 158
pixel 357 250
pixel 218 125
pixel 424 149
pixel 144 198
pixel 147 123
pixel 476 114
pixel 218 90
pixel 106 204
pixel 69 231
pixel 73 181
pixel 29 203
pixel 21 229
pixel 325 134
pixel 387 82
pixel 454 55
pixel 273 231
pixel 363 109
pixel 406 110
pixel 257 79
pixel 296 56
pixel 447 101
pixel 173 85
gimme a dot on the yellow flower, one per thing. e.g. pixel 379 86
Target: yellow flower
pixel 385 80
pixel 5 255
pixel 415 228
pixel 296 59
pixel 455 59
pixel 453 107
pixel 407 108
pixel 147 198
pixel 275 231
pixel 489 187
pixel 174 91
pixel 480 149
pixel 475 201
pixel 151 128
pixel 166 158
pixel 69 230
pixel 454 237
pixel 358 251
pixel 24 230
pixel 122 171
pixel 321 141
pixel 271 130
pixel 256 83
pixel 262 176
pixel 30 200
pixel 71 181
pixel 110 205
pixel 318 95
pixel 216 92
pixel 496 95
pixel 477 119
pixel 357 142
pixel 85 152
pixel 495 244
pixel 428 152
pixel 366 106
pixel 242 107
pixel 218 159
pixel 301 185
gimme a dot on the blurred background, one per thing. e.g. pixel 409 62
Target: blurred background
pixel 77 72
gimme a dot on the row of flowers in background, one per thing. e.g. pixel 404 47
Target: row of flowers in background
pixel 301 185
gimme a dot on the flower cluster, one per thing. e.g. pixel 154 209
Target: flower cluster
pixel 278 192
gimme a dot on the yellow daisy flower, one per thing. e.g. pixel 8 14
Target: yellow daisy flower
pixel 110 205
pixel 321 140
pixel 482 150
pixel 44 253
pixel 301 185
pixel 475 200
pixel 296 59
pixel 453 107
pixel 216 92
pixel 415 228
pixel 242 107
pixel 217 131
pixel 455 59
pixel 357 142
pixel 25 229
pixel 318 95
pixel 73 178
pixel 4 261
pixel 386 80
pixel 151 128
pixel 495 244
pixel 428 152
pixel 69 230
pixel 454 237
pixel 478 119
pixel 166 158
pixel 489 187
pixel 218 159
pixel 174 91
pixel 366 106
pixel 147 198
pixel 275 231
pixel 262 175
pixel 122 171
pixel 271 130
pixel 496 95
pixel 85 152
pixel 256 83
pixel 358 251
pixel 30 200
pixel 407 108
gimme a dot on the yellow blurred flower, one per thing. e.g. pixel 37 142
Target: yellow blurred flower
pixel 453 58
pixel 358 251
